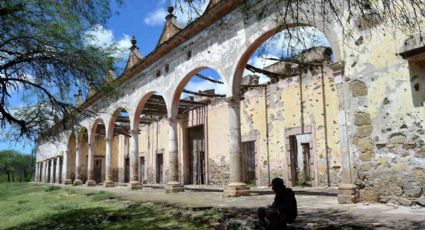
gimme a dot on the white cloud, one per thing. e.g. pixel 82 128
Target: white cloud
pixel 156 17
pixel 104 38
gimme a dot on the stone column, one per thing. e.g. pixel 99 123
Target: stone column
pixel 347 191
pixel 42 171
pixel 108 164
pixel 46 171
pixel 236 187
pixel 90 165
pixel 78 180
pixel 58 176
pixel 173 184
pixel 36 172
pixel 52 170
pixel 66 171
pixel 134 155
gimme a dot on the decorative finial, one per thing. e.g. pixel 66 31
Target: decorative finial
pixel 133 42
pixel 79 97
pixel 170 12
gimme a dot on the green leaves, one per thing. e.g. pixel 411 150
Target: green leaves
pixel 43 53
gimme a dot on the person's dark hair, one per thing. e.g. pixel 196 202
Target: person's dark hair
pixel 278 183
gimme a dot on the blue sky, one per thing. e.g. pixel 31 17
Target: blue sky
pixel 145 19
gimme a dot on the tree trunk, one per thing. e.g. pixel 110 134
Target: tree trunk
pixel 8 176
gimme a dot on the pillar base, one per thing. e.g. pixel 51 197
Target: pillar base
pixel 91 183
pixel 236 189
pixel 134 185
pixel 67 182
pixel 347 194
pixel 78 182
pixel 174 187
pixel 109 184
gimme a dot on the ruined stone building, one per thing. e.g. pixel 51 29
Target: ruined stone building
pixel 349 116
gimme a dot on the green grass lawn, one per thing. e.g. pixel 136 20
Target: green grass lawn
pixel 32 206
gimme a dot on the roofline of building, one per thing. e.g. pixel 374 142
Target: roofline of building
pixel 207 19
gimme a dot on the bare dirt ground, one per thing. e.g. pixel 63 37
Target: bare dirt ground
pixel 315 211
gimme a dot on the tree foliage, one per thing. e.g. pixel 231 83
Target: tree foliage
pixel 44 58
pixel 15 166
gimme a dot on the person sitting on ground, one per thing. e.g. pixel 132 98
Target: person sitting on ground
pixel 282 211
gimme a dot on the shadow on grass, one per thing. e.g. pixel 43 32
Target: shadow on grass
pixel 144 217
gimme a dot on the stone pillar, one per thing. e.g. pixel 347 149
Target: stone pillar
pixel 347 191
pixel 78 180
pixel 108 164
pixel 58 176
pixel 173 184
pixel 66 171
pixel 236 187
pixel 42 171
pixel 52 170
pixel 46 171
pixel 90 165
pixel 134 154
pixel 36 172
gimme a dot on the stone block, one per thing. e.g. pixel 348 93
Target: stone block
pixel 365 144
pixel 368 195
pixel 366 156
pixel 78 182
pixel 347 194
pixel 109 184
pixel 358 88
pixel 348 199
pixel 361 118
pixel 91 183
pixel 173 188
pixel 396 190
pixel 134 185
pixel 397 139
pixel 364 131
pixel 236 190
pixel 420 153
pixel 68 182
pixel 412 189
pixel 421 201
pixel 404 201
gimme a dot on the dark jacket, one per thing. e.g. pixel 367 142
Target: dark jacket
pixel 286 204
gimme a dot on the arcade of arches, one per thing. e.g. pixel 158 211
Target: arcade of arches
pixel 325 118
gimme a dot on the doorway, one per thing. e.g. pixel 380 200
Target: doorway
pixel 127 169
pixel 142 170
pixel 98 171
pixel 248 159
pixel 300 160
pixel 159 168
pixel 196 155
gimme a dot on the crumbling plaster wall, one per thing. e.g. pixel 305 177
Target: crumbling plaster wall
pixel 387 131
pixel 153 139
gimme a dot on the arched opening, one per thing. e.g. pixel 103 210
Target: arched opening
pixel 70 159
pixel 83 143
pixel 119 132
pixel 152 125
pixel 289 108
pixel 199 103
pixel 99 146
